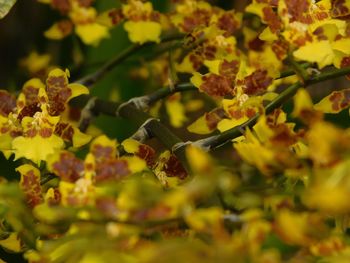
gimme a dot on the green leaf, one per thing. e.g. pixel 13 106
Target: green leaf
pixel 5 7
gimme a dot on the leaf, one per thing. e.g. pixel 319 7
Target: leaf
pixel 5 7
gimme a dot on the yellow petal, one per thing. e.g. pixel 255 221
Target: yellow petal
pixel 11 243
pixel 35 62
pixel 196 79
pixel 335 102
pixel 77 89
pixel 30 184
pixel 110 18
pixel 227 124
pixel 131 145
pixel 34 82
pixel 267 35
pixel 253 152
pixel 57 72
pixel 186 65
pixel 333 26
pixel 143 31
pixel 92 34
pixel 59 30
pixel 135 164
pixel 79 139
pixel 302 101
pixel 319 52
pixel 176 112
pixel 213 66
pixel 103 147
pixel 300 223
pixel 256 8
pixel 37 148
pixel 262 130
pixel 5 142
pixel 327 198
pixel 199 126
pixel 342 45
pixel 199 160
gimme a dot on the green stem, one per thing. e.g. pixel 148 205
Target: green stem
pixel 139 117
pixel 165 92
pixel 291 72
pixel 298 69
pixel 225 137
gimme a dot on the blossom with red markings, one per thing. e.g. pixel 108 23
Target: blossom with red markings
pixel 81 17
pixel 32 126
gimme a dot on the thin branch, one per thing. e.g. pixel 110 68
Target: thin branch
pixel 167 91
pixel 300 71
pixel 183 87
pixel 133 110
pixel 110 108
pixel 47 177
pixel 291 72
pixel 142 134
pixel 101 106
pixel 173 78
pixel 92 78
pixel 87 114
pixel 154 128
pixel 129 111
pixel 225 137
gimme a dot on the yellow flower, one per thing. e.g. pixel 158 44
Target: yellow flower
pixel 175 110
pixel 143 23
pixel 239 110
pixel 169 170
pixel 83 18
pixel 35 62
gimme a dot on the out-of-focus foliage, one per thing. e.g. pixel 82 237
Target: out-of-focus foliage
pixel 5 7
pixel 278 193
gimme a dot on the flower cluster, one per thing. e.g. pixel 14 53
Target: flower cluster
pixel 81 17
pixel 278 193
pixel 37 123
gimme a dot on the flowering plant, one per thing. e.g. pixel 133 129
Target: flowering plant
pixel 261 174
